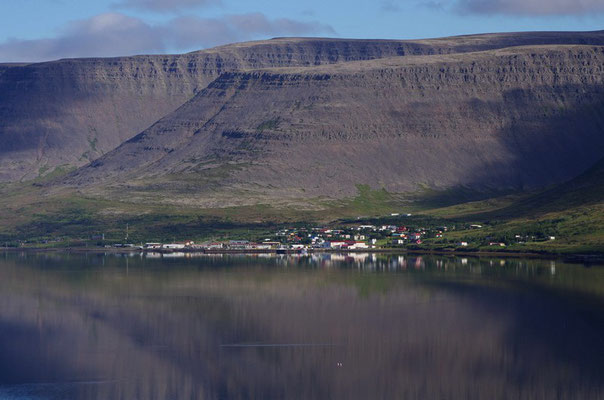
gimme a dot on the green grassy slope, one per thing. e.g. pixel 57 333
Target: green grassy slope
pixel 32 212
pixel 573 212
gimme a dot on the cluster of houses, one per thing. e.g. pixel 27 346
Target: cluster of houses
pixel 347 238
pixel 248 245
pixel 362 236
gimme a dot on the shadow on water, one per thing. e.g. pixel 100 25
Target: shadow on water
pixel 563 328
pixel 320 326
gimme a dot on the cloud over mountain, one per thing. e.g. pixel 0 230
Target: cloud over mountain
pixel 113 34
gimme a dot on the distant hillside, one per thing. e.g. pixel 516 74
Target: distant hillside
pixel 62 114
pixel 584 191
pixel 572 212
pixel 516 118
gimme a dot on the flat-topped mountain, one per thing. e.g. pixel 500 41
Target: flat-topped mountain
pixel 506 119
pixel 68 113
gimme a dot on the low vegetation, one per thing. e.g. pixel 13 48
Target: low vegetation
pixel 33 217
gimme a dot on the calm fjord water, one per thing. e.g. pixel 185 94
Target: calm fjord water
pixel 95 326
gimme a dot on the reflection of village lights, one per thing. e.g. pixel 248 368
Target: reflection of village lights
pixel 361 262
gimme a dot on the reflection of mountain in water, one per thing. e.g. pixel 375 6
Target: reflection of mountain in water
pixel 347 326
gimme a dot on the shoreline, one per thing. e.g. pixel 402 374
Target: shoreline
pixel 569 257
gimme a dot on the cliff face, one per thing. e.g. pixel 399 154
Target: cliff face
pixel 513 118
pixel 69 112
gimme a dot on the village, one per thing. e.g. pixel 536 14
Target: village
pixel 353 238
pixel 399 233
pixel 388 233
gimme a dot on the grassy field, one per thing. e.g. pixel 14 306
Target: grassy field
pixel 29 212
pixel 572 213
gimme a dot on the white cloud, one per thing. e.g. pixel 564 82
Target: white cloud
pixel 520 7
pixel 114 34
pixel 102 35
pixel 258 23
pixel 165 5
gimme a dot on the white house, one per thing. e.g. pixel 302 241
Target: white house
pixel 173 246
pixel 262 246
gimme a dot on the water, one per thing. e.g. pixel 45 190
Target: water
pixel 363 326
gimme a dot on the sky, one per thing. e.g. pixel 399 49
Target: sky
pixel 40 30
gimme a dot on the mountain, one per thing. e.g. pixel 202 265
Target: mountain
pixel 58 115
pixel 516 118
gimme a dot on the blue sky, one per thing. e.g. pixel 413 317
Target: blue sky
pixel 35 30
